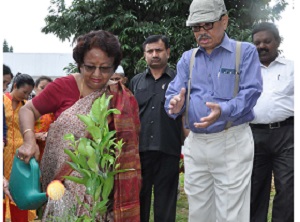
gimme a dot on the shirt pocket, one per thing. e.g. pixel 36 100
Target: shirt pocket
pixel 224 84
pixel 142 96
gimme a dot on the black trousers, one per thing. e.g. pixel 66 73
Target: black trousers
pixel 274 152
pixel 161 172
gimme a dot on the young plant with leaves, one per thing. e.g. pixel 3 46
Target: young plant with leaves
pixel 96 158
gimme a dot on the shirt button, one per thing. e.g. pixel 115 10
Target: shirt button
pixel 152 122
pixel 151 137
pixel 152 107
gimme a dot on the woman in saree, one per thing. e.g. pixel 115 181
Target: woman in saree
pixel 13 101
pixel 97 55
pixel 42 125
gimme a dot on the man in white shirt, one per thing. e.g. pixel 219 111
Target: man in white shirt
pixel 273 130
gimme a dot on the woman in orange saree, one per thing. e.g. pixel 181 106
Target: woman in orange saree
pixel 21 88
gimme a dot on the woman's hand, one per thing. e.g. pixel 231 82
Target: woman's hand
pixel 29 148
pixel 6 188
pixel 27 116
pixel 41 136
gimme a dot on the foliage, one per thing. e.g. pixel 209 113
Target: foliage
pixel 95 158
pixel 71 68
pixel 134 20
pixel 6 47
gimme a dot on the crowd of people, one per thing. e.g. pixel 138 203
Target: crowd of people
pixel 228 108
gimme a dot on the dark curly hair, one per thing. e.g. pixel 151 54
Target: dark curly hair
pixel 101 39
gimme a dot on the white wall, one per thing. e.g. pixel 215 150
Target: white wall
pixel 38 64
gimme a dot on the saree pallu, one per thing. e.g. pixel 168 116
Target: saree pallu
pixel 127 185
pixel 14 141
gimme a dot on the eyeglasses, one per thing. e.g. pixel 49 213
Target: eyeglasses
pixel 207 26
pixel 103 69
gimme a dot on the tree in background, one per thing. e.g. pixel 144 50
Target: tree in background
pixel 6 48
pixel 134 20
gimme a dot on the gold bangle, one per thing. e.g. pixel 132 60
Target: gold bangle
pixel 25 131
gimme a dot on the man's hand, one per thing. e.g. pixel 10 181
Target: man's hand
pixel 211 118
pixel 176 103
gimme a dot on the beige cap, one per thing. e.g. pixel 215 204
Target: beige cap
pixel 205 11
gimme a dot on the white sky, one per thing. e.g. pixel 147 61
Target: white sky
pixel 22 22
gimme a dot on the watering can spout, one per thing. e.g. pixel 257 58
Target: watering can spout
pixel 25 185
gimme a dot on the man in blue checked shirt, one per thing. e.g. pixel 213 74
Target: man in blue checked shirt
pixel 218 153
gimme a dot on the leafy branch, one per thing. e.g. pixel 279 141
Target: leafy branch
pixel 96 158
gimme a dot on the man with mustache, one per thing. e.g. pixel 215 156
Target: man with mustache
pixel 160 136
pixel 218 152
pixel 273 130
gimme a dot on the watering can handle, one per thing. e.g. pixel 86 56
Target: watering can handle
pixel 32 160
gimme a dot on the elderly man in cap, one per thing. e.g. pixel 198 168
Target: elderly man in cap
pixel 119 75
pixel 216 86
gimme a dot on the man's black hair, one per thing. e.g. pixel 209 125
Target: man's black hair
pixel 267 26
pixel 156 38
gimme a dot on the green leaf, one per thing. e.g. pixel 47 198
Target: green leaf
pixel 93 164
pixel 98 191
pixel 70 137
pixel 95 132
pixel 107 187
pixel 75 179
pixel 85 172
pixel 90 188
pixel 90 151
pixel 72 156
pixel 81 146
pixel 86 119
pixel 101 206
pixel 82 161
pixel 106 139
pixel 114 111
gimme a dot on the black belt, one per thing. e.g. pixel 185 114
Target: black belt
pixel 288 121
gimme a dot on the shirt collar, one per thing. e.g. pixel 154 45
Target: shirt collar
pixel 279 59
pixel 167 71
